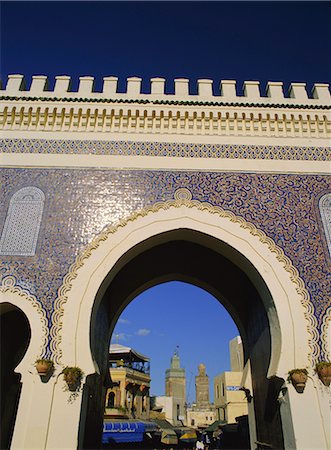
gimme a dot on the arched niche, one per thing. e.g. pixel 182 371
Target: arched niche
pixel 21 230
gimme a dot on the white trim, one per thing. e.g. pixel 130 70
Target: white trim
pixel 164 163
pixel 298 141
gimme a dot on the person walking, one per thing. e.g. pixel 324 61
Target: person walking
pixel 199 445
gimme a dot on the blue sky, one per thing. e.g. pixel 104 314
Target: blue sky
pixel 178 314
pixel 276 41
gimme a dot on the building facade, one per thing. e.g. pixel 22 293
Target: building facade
pixel 202 388
pixel 228 190
pixel 230 402
pixel 229 398
pixel 175 379
pixel 236 352
pixel 130 380
pixel 201 414
pixel 175 388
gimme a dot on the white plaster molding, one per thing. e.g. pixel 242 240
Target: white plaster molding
pixel 218 120
pixel 165 163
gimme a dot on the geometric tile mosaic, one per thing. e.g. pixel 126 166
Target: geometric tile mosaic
pixel 169 149
pixel 80 203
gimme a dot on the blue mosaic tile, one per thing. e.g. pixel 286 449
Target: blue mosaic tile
pixel 80 203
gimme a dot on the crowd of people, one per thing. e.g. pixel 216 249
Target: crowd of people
pixel 209 441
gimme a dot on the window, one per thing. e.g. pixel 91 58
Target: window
pixel 111 400
pixel 20 233
pixel 21 229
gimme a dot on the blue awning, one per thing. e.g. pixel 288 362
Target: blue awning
pixel 126 431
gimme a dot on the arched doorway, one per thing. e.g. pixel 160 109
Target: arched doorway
pixel 186 255
pixel 214 250
pixel 15 337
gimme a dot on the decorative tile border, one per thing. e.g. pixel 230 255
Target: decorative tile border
pixel 181 150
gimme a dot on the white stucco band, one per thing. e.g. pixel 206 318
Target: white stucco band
pixel 292 322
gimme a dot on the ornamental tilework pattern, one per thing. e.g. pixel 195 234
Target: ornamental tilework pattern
pixel 80 203
pixel 183 150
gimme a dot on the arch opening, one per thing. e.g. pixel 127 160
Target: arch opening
pixel 200 259
pixel 15 338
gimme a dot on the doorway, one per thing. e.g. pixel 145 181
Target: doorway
pixel 193 257
pixel 15 338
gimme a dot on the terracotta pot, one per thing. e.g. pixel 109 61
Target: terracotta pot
pixel 43 367
pixel 299 380
pixel 72 380
pixel 324 374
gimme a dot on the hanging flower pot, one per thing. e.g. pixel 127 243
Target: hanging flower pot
pixel 298 377
pixel 73 376
pixel 44 366
pixel 323 370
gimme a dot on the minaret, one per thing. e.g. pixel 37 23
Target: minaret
pixel 202 388
pixel 175 379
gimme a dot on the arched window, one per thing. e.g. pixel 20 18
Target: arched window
pixel 111 400
pixel 20 233
pixel 325 210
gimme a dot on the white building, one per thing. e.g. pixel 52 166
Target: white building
pixel 229 400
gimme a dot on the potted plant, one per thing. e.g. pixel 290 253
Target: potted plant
pixel 298 377
pixel 323 369
pixel 44 366
pixel 72 376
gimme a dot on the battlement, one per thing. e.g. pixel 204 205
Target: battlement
pixel 228 91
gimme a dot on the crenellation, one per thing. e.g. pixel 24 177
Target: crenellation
pixel 228 89
pixel 62 84
pixel 205 88
pixel 298 91
pixel 252 90
pixel 249 94
pixel 109 86
pixel 133 86
pixel 39 84
pixel 181 87
pixel 86 85
pixel 157 86
pixel 321 91
pixel 225 114
pixel 275 90
pixel 15 84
